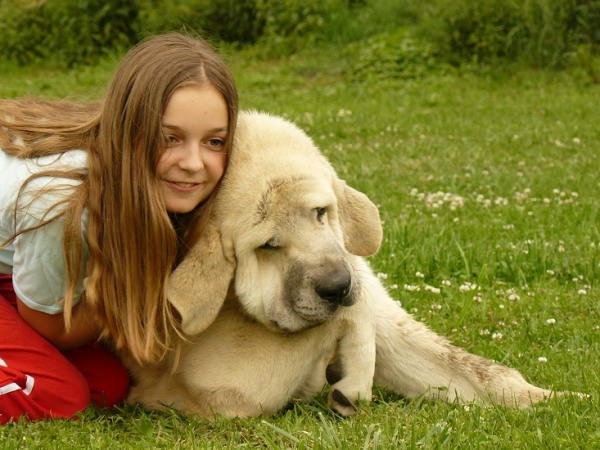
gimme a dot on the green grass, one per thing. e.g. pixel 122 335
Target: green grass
pixel 515 154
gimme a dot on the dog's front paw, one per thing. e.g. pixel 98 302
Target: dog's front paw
pixel 344 397
pixel 340 403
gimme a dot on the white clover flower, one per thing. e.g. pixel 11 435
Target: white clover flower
pixel 542 359
pixel 432 289
pixel 550 272
pixel 520 197
pixel 382 276
pixel 576 140
pixel 514 297
pixel 411 288
pixel 497 336
pixel 551 321
pixel 484 332
pixel 478 299
pixel 446 283
pixel 394 286
pixel 436 306
pixel 466 287
pixel 582 292
pixel 419 275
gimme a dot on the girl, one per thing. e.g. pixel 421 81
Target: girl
pixel 98 203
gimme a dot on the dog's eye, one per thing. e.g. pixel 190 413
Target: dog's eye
pixel 269 245
pixel 321 212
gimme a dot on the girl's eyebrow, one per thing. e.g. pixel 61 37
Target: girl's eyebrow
pixel 214 130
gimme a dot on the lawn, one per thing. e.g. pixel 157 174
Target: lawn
pixel 487 183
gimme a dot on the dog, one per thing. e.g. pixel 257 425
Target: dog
pixel 277 299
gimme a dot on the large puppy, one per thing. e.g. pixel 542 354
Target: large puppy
pixel 277 299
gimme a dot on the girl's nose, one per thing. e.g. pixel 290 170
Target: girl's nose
pixel 191 158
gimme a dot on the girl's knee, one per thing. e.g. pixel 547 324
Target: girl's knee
pixel 36 397
pixel 107 378
pixel 112 388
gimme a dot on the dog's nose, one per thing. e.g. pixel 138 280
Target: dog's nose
pixel 335 287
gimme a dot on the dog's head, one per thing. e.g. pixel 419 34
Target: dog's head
pixel 284 230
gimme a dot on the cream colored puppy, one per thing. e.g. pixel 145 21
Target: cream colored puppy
pixel 277 299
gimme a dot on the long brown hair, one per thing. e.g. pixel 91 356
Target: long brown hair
pixel 134 242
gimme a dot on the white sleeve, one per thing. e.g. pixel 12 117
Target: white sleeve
pixel 39 274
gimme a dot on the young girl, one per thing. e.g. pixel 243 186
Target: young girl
pixel 98 203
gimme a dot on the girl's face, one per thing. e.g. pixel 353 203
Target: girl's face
pixel 196 124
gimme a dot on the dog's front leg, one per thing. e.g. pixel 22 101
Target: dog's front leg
pixel 412 360
pixel 351 372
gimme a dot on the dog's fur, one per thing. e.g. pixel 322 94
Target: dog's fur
pixel 278 299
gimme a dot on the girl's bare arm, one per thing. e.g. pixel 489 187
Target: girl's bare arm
pixel 84 326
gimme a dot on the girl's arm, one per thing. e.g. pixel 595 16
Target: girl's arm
pixel 84 326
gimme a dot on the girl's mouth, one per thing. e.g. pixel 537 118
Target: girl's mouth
pixel 183 187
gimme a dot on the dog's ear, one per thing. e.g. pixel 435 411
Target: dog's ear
pixel 359 219
pixel 198 286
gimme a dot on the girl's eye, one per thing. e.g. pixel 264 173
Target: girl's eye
pixel 172 140
pixel 216 143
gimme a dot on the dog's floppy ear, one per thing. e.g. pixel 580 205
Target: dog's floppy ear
pixel 198 286
pixel 359 219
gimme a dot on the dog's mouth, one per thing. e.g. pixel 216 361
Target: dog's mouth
pixel 316 316
pixel 300 318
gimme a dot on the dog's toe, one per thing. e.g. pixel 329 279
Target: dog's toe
pixel 340 403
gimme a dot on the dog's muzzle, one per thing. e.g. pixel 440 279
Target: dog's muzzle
pixel 335 287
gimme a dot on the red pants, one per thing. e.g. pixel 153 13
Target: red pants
pixel 38 381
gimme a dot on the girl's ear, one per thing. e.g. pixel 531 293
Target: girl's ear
pixel 198 286
pixel 359 220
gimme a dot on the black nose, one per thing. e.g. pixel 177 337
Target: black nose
pixel 335 287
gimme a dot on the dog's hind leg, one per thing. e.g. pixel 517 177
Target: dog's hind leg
pixel 412 360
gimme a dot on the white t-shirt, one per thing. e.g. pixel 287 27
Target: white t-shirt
pixel 35 258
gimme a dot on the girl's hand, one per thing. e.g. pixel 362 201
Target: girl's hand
pixel 84 326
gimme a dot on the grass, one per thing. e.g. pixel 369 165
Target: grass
pixel 484 178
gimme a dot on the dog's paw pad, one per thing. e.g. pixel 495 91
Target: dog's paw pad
pixel 333 373
pixel 340 403
pixel 340 398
